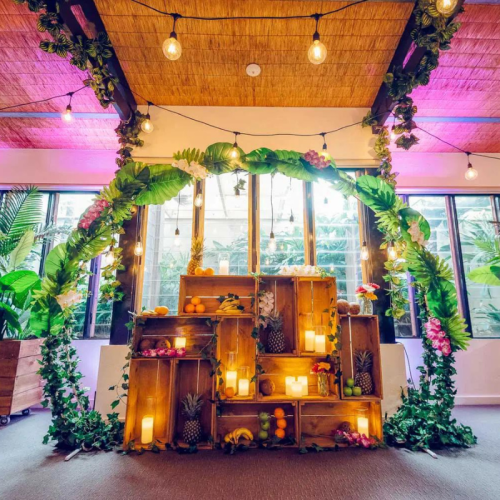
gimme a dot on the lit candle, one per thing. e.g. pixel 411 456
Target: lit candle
pixel 363 426
pixel 296 389
pixel 305 385
pixel 320 343
pixel 224 266
pixel 288 385
pixel 243 387
pixel 180 342
pixel 147 429
pixel 231 377
pixel 310 340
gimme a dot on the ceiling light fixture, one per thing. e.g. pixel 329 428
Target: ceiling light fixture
pixel 317 51
pixel 171 47
pixel 147 125
pixel 253 70
pixel 471 173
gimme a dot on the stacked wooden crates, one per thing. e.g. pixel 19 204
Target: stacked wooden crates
pixel 310 419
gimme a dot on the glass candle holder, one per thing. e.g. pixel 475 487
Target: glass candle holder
pixel 362 421
pixel 244 381
pixel 180 342
pixel 288 385
pixel 223 263
pixel 320 339
pixel 309 334
pixel 148 421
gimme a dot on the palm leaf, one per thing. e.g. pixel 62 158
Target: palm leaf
pixel 21 251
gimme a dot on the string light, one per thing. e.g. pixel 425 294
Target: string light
pixel 234 154
pixel 471 173
pixel 198 201
pixel 67 115
pixel 177 233
pixel 393 129
pixel 272 240
pixel 446 7
pixel 365 254
pixel 138 250
pixel 292 221
pixel 391 251
pixel 317 51
pixel 171 47
pixel 147 125
pixel 324 150
pixel 109 257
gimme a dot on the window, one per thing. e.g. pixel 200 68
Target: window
pixel 287 199
pixel 166 256
pixel 337 237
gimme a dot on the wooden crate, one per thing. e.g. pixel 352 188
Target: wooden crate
pixel 198 332
pixel 149 378
pixel 192 376
pixel 20 385
pixel 284 290
pixel 276 369
pixel 319 297
pixel 237 415
pixel 235 334
pixel 361 333
pixel 319 421
pixel 210 288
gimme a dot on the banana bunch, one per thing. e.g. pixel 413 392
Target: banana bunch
pixel 234 436
pixel 231 305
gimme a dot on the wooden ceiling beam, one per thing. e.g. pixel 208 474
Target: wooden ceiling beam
pixel 384 103
pixel 124 101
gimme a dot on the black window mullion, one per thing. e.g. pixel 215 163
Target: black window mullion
pixel 49 219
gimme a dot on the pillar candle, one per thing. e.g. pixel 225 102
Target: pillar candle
pixel 180 342
pixel 363 426
pixel 224 267
pixel 231 377
pixel 288 385
pixel 147 429
pixel 320 343
pixel 296 389
pixel 243 387
pixel 305 385
pixel 310 340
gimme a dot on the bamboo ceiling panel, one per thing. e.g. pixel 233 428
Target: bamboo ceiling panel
pixel 211 72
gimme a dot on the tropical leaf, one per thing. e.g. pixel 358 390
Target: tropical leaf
pixel 10 316
pixel 56 260
pixel 46 319
pixel 442 299
pixel 217 158
pixel 22 250
pixel 84 247
pixel 132 178
pixel 375 193
pixel 20 281
pixel 487 275
pixel 409 215
pixel 256 162
pixel 164 184
pixel 190 155
pixel 293 165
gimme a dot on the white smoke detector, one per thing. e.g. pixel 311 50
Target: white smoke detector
pixel 253 70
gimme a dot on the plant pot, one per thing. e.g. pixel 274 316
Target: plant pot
pixel 20 385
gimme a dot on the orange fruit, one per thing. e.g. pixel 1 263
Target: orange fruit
pixel 229 392
pixel 198 271
pixel 279 433
pixel 279 412
pixel 281 423
pixel 189 308
pixel 161 310
pixel 200 308
pixel 195 301
pixel 209 271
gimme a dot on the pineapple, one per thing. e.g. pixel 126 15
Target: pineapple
pixel 196 256
pixel 192 404
pixel 276 338
pixel 363 361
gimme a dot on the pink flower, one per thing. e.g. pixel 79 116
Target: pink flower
pixel 171 352
pixel 161 351
pixel 181 353
pixel 446 348
pixel 365 442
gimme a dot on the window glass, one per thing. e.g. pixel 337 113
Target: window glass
pixel 32 262
pixel 226 223
pixel 164 260
pixel 477 239
pixel 287 198
pixel 337 237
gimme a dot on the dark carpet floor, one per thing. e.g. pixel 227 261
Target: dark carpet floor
pixel 30 470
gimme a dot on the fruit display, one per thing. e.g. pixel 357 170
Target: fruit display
pixel 157 311
pixel 276 337
pixel 199 271
pixel 233 437
pixel 351 389
pixel 343 306
pixel 354 308
pixel 146 344
pixel 281 423
pixel 363 361
pixel 196 260
pixel 344 427
pixel 230 305
pixel 162 344
pixel 191 408
pixel 265 424
pixel 194 306
pixel 356 391
pixel 267 387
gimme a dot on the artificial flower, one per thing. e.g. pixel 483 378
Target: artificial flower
pixel 366 291
pixel 437 336
pixel 266 306
pixel 194 168
pixel 316 160
pixel 92 213
pixel 417 236
pixel 69 299
pixel 321 367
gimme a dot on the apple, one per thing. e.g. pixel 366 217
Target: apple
pixel 356 391
pixel 264 416
pixel 347 391
pixel 263 435
pixel 350 382
pixel 265 425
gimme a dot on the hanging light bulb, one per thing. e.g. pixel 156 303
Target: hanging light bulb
pixel 365 254
pixel 292 222
pixel 317 51
pixel 171 47
pixel 147 125
pixel 198 201
pixel 332 268
pixel 324 151
pixel 109 257
pixel 272 243
pixel 391 251
pixel 471 173
pixel 234 154
pixel 237 198
pixel 282 247
pixel 446 7
pixel 177 238
pixel 67 115
pixel 138 250
pixel 393 134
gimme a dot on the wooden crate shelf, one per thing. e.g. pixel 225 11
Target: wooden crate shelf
pixel 361 333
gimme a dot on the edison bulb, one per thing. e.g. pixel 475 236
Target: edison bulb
pixel 392 252
pixel 471 173
pixel 317 52
pixel 147 126
pixel 446 7
pixel 177 238
pixel 234 154
pixel 237 200
pixel 172 49
pixel 109 258
pixel 365 254
pixel 198 201
pixel 272 243
pixel 67 115
pixel 393 134
pixel 138 250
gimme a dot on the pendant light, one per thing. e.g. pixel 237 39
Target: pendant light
pixel 234 154
pixel 109 257
pixel 172 49
pixel 292 222
pixel 365 254
pixel 138 250
pixel 317 51
pixel 67 114
pixel 471 173
pixel 391 251
pixel 177 233
pixel 198 201
pixel 446 7
pixel 147 125
pixel 272 240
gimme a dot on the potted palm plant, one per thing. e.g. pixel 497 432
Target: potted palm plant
pixel 21 227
